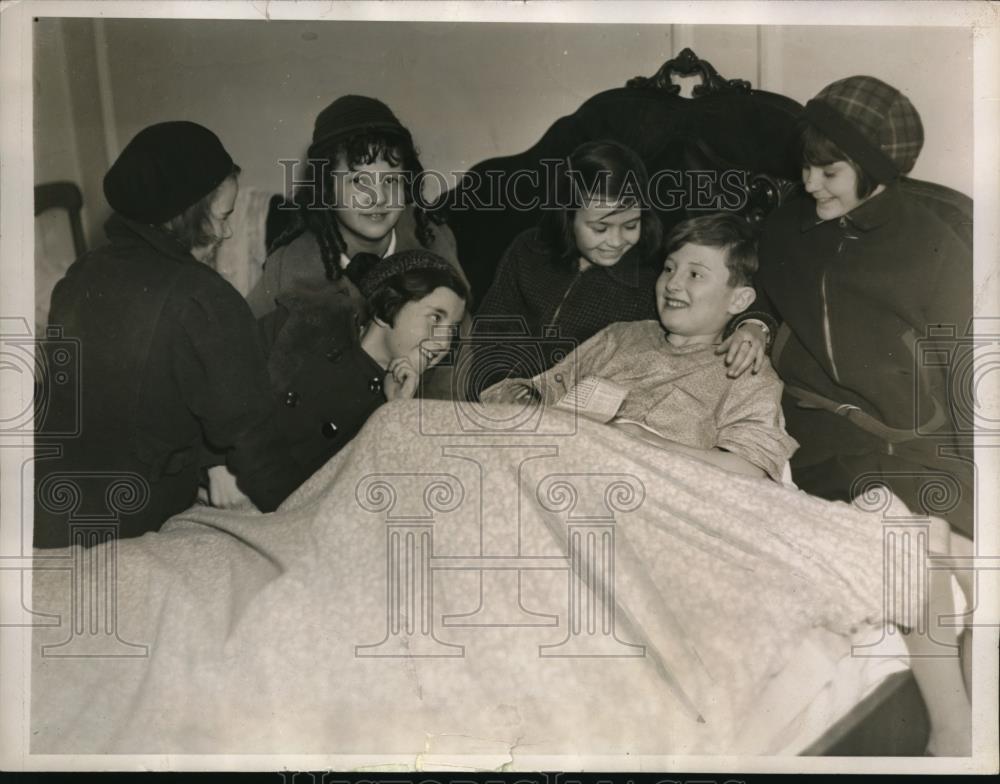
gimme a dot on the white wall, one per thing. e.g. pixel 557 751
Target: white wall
pixel 932 66
pixel 467 91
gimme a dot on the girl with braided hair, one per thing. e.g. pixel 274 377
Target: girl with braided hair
pixel 361 198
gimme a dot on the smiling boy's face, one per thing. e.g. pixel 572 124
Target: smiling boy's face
pixel 693 295
pixel 369 201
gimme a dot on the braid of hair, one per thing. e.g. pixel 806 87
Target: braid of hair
pixel 425 234
pixel 324 228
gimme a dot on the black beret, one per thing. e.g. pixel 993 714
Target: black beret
pixel 165 169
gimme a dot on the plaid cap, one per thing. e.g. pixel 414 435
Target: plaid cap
pixel 397 264
pixel 871 121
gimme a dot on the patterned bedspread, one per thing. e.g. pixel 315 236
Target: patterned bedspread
pixel 455 579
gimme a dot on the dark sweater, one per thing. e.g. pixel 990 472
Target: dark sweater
pixel 552 307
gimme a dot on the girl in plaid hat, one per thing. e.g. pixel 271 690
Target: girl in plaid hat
pixel 859 270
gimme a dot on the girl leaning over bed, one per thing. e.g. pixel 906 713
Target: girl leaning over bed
pixel 332 368
pixel 593 260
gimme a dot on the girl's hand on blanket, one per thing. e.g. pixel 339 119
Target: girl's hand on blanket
pixel 222 490
pixel 744 349
pixel 401 379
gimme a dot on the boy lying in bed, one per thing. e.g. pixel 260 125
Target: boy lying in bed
pixel 677 393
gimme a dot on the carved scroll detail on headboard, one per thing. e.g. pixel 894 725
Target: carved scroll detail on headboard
pixel 687 63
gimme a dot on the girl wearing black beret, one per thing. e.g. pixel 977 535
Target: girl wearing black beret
pixel 170 362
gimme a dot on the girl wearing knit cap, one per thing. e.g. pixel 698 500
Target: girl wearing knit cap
pixel 332 369
pixel 360 198
pixel 858 270
pixel 169 362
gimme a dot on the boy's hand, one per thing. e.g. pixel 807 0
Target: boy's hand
pixel 744 349
pixel 401 379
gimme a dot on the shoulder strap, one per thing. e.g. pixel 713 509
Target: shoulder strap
pixel 852 413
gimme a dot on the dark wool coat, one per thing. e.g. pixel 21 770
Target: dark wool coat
pixel 169 364
pixel 326 384
pixel 859 295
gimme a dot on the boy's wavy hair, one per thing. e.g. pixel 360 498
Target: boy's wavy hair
pixel 193 227
pixel 606 171
pixel 815 148
pixel 723 230
pixel 313 201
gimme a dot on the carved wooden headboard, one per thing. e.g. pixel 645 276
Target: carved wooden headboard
pixel 725 126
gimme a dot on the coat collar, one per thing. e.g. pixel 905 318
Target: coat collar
pixel 871 215
pixel 121 229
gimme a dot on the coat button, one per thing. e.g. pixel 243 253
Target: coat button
pixel 292 399
pixel 335 355
pixel 329 430
pixel 375 386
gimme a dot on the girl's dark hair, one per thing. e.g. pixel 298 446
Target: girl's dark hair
pixel 314 200
pixel 193 227
pixel 604 170
pixel 410 286
pixel 723 230
pixel 817 149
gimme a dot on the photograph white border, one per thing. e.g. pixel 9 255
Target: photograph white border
pixel 16 291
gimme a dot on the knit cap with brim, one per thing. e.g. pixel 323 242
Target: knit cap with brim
pixel 872 122
pixel 351 114
pixel 164 170
pixel 398 263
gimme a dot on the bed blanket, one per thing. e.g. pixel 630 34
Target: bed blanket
pixel 444 587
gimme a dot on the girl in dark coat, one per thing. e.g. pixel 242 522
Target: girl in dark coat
pixel 860 270
pixel 169 361
pixel 331 369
